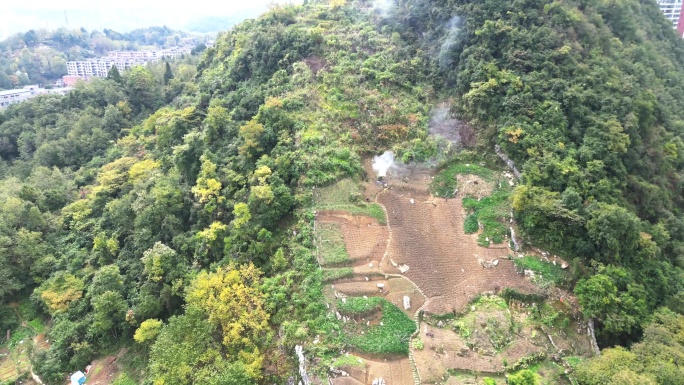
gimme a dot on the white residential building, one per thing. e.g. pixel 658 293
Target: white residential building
pixel 672 10
pixel 100 67
pixel 19 95
pixel 123 60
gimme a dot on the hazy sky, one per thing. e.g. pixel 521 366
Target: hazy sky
pixel 120 15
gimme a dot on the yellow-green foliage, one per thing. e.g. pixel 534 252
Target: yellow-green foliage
pixel 232 299
pixel 58 292
pixel 148 330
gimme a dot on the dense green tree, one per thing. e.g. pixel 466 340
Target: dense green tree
pixel 114 75
pixel 143 90
pixel 109 313
pixel 148 331
pixel 652 361
pixel 107 278
pixel 182 346
pixel 524 377
pixel 168 74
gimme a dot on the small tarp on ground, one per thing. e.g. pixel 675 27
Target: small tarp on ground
pixel 78 378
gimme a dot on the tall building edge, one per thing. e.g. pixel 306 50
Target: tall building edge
pixel 680 23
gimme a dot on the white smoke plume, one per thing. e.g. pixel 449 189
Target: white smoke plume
pixel 383 7
pixel 446 50
pixel 382 163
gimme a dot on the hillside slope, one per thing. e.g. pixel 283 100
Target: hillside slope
pixel 585 97
pixel 191 233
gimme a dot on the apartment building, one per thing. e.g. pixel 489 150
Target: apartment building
pixel 100 67
pixel 19 95
pixel 672 9
pixel 123 60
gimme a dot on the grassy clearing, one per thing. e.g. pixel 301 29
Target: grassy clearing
pixel 330 275
pixel 391 336
pixel 37 325
pixel 492 212
pixel 489 302
pixel 345 191
pixel 488 324
pixel 123 379
pixel 550 372
pixel 574 361
pixel 134 365
pixel 543 270
pixel 358 305
pixel 470 377
pixel 331 247
pixel 444 184
pixel 347 361
pixel 346 195
pixel 372 210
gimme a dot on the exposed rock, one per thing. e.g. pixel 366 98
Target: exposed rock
pixel 407 302
pixel 299 350
pixel 508 161
pixel 516 246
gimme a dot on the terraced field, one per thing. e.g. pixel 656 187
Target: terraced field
pixel 420 259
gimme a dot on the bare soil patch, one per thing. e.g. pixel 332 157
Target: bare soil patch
pixel 40 342
pixel 395 371
pixel 428 237
pixel 104 371
pixel 8 370
pixel 447 351
pixel 316 63
pixel 365 239
pixel 346 381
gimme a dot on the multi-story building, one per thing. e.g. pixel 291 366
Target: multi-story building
pixel 100 67
pixel 19 95
pixel 123 60
pixel 672 9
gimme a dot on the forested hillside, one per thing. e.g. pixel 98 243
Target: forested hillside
pixel 170 213
pixel 585 98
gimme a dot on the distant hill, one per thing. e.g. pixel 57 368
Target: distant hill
pixel 219 23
